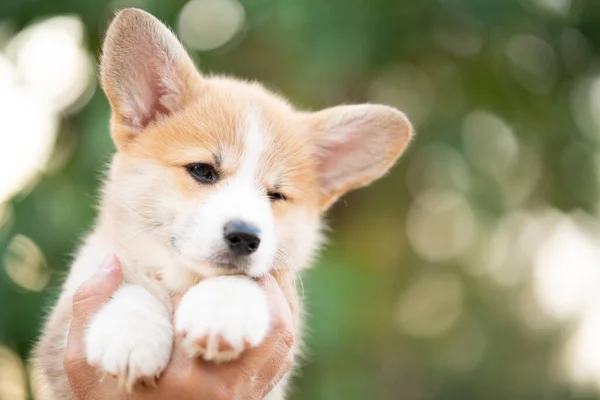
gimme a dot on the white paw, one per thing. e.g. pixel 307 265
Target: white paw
pixel 131 337
pixel 221 317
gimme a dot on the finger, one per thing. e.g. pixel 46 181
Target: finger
pixel 281 359
pixel 274 369
pixel 280 308
pixel 95 292
pixel 283 372
pixel 276 345
pixel 281 327
pixel 235 375
pixel 87 300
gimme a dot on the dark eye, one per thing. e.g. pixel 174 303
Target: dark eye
pixel 202 173
pixel 276 196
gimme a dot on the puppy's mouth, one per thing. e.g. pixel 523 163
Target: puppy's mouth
pixel 229 262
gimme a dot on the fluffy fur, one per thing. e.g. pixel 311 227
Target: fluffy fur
pixel 167 227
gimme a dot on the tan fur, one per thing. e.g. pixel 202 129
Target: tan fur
pixel 313 158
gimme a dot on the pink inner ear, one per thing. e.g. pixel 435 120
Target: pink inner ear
pixel 356 144
pixel 156 106
pixel 336 159
pixel 146 93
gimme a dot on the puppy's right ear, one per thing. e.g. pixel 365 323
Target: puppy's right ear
pixel 145 72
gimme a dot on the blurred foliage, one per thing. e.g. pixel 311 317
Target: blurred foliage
pixel 414 298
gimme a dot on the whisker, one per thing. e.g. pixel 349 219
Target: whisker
pixel 283 263
pixel 140 213
pixel 137 234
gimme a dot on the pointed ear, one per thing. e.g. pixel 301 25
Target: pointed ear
pixel 145 71
pixel 356 145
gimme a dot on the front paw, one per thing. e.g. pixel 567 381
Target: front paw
pixel 221 317
pixel 131 337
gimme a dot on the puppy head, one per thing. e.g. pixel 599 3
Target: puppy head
pixel 219 175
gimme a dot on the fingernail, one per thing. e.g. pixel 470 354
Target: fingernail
pixel 109 264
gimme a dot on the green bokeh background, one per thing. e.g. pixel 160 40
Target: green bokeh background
pixel 440 61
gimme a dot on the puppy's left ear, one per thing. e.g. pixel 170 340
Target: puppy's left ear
pixel 356 145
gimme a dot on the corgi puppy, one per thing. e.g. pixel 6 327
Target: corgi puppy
pixel 215 181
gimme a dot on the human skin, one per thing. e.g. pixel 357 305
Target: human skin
pixel 251 377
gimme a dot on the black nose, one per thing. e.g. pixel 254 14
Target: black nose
pixel 241 237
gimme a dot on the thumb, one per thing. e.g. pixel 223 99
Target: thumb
pixel 95 292
pixel 87 301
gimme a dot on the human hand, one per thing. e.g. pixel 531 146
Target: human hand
pixel 251 377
